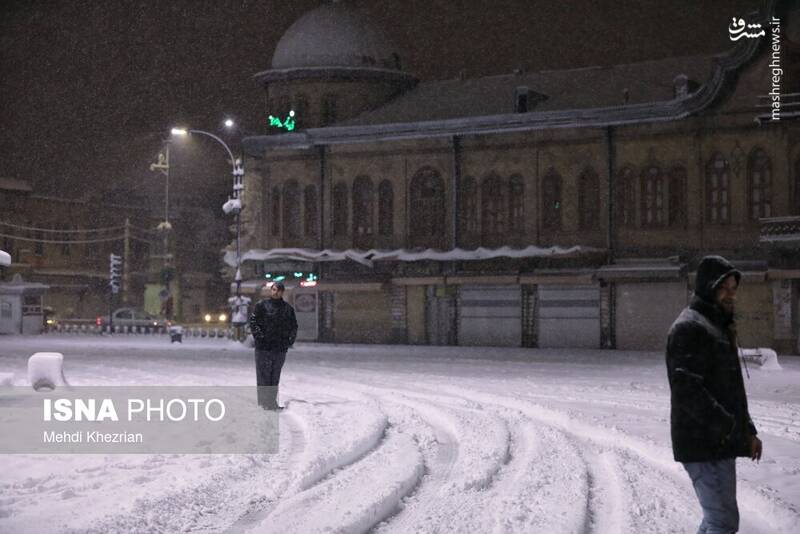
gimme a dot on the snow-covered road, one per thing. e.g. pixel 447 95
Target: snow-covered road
pixel 406 439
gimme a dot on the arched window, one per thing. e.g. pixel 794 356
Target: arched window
pixel 678 215
pixel 310 210
pixel 493 211
pixel 340 209
pixel 797 186
pixel 426 228
pixel 291 210
pixel 626 198
pixel 363 213
pixel 516 205
pixel 276 211
pixel 300 110
pixel 385 209
pixel 551 200
pixel 468 216
pixel 759 180
pixel 588 200
pixel 652 197
pixel 328 112
pixel 65 247
pixel 718 190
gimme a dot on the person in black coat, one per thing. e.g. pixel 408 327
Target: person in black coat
pixel 274 328
pixel 709 420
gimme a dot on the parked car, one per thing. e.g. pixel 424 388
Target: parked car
pixel 218 317
pixel 132 317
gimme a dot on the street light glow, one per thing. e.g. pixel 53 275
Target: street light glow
pixel 179 131
pixel 229 123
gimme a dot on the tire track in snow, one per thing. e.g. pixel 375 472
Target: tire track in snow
pixel 320 423
pixel 211 505
pixel 477 447
pixel 375 485
pixel 764 513
pixel 470 507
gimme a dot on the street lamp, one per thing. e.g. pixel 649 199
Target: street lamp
pixel 233 205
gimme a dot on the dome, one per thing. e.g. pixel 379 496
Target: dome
pixel 334 35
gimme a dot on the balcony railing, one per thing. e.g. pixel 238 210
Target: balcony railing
pixel 780 230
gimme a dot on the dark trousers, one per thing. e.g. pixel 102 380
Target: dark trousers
pixel 268 374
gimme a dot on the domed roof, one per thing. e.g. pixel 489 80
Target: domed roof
pixel 334 35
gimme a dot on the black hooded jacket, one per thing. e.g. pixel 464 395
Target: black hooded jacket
pixel 274 325
pixel 709 419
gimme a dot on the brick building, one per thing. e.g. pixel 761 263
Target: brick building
pixel 635 171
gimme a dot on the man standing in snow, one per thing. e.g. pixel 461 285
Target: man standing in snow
pixel 274 329
pixel 710 423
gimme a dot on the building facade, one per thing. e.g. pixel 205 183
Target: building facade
pixel 550 209
pixel 65 244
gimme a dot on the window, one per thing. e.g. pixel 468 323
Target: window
pixel 276 211
pixel 551 200
pixel 493 211
pixel 717 190
pixel 652 197
pixel 677 197
pixel 468 216
pixel 521 99
pixel 291 210
pixel 8 246
pixel 38 247
pixel 588 200
pixel 363 212
pixel 32 305
pixel 427 209
pixel 300 109
pixel 516 205
pixel 626 198
pixel 65 246
pixel 328 110
pixel 340 209
pixel 759 179
pixel 385 209
pixel 5 310
pixel 310 211
pixel 796 187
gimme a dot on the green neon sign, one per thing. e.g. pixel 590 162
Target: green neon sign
pixel 288 123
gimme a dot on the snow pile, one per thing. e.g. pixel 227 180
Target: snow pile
pixel 46 370
pixel 6 379
pixel 766 358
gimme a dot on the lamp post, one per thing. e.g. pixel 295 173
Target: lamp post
pixel 162 165
pixel 233 205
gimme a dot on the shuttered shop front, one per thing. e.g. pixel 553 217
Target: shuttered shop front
pixel 568 316
pixel 490 315
pixel 362 317
pixel 645 311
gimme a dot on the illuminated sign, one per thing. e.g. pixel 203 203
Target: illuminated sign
pixel 288 123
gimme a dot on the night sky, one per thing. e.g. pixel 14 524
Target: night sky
pixel 88 88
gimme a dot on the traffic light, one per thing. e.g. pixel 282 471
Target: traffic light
pixel 114 272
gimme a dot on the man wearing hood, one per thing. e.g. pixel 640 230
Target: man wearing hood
pixel 274 327
pixel 709 420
